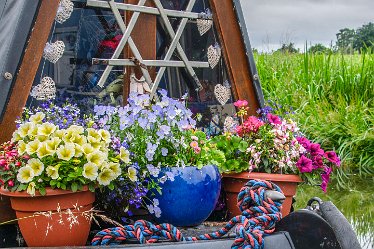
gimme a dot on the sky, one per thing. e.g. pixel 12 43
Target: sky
pixel 273 22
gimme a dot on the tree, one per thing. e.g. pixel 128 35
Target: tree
pixel 345 39
pixel 288 48
pixel 364 38
pixel 318 48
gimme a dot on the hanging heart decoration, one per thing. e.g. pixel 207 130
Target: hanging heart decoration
pixel 214 55
pixel 65 8
pixel 222 93
pixel 54 51
pixel 138 85
pixel 204 23
pixel 45 90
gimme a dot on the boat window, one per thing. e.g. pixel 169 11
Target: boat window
pixel 94 33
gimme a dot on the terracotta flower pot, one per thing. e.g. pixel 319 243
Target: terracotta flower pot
pixel 45 220
pixel 233 182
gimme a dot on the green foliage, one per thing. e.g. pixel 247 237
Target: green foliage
pixel 318 48
pixel 350 40
pixel 333 97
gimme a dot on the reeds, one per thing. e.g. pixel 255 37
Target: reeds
pixel 332 95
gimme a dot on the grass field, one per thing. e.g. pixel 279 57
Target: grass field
pixel 332 96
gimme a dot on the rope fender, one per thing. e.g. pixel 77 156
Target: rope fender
pixel 258 219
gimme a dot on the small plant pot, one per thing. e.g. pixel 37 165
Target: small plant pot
pixel 233 182
pixel 190 198
pixel 60 218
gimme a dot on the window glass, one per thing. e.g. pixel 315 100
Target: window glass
pixel 94 33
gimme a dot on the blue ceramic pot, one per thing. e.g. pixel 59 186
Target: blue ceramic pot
pixel 191 197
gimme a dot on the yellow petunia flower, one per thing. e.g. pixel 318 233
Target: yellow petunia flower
pixel 124 155
pixel 75 129
pixel 95 143
pixel 31 189
pixel 59 133
pixel 33 132
pixel 25 174
pixel 21 147
pixel 65 152
pixel 87 149
pixel 90 171
pixel 78 150
pixel 42 138
pixel 43 150
pixel 131 172
pixel 36 165
pixel 24 129
pixel 46 129
pixel 96 157
pixel 105 136
pixel 16 137
pixel 53 143
pixel 32 147
pixel 37 118
pixel 52 172
pixel 79 139
pixel 93 133
pixel 105 177
pixel 115 168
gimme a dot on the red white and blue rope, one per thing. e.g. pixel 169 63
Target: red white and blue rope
pixel 258 218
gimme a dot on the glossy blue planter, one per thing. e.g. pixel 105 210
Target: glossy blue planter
pixel 191 197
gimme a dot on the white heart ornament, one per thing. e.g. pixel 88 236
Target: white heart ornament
pixel 54 51
pixel 222 93
pixel 65 8
pixel 214 55
pixel 45 90
pixel 204 25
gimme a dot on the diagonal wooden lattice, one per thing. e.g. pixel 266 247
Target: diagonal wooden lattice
pixel 138 60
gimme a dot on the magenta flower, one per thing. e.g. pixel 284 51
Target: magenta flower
pixel 273 119
pixel 304 164
pixel 241 103
pixel 315 150
pixel 304 142
pixel 317 162
pixel 324 186
pixel 332 157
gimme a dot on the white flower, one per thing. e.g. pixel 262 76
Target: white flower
pixel 36 165
pixel 90 171
pixel 46 129
pixel 115 168
pixel 96 157
pixel 24 129
pixel 87 149
pixel 105 135
pixel 25 174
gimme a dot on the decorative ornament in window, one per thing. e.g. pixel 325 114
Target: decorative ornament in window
pixel 54 51
pixel 139 86
pixel 204 24
pixel 64 11
pixel 222 93
pixel 214 55
pixel 46 90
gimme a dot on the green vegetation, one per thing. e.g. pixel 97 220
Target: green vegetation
pixel 333 98
pixel 350 40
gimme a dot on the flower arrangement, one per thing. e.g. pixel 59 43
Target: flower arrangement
pixel 150 136
pixel 272 145
pixel 41 154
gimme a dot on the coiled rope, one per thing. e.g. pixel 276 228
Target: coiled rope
pixel 258 218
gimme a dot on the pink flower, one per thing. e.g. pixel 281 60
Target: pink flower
pixel 324 186
pixel 3 162
pixel 273 119
pixel 10 183
pixel 317 162
pixel 315 150
pixel 252 124
pixel 332 157
pixel 197 150
pixel 241 103
pixel 304 142
pixel 194 144
pixel 304 164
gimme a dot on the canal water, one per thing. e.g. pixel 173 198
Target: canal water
pixel 357 205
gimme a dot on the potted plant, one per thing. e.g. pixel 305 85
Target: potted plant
pixel 50 174
pixel 172 168
pixel 269 148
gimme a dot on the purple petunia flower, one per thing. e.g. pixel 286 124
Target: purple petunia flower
pixel 304 142
pixel 332 157
pixel 315 149
pixel 304 164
